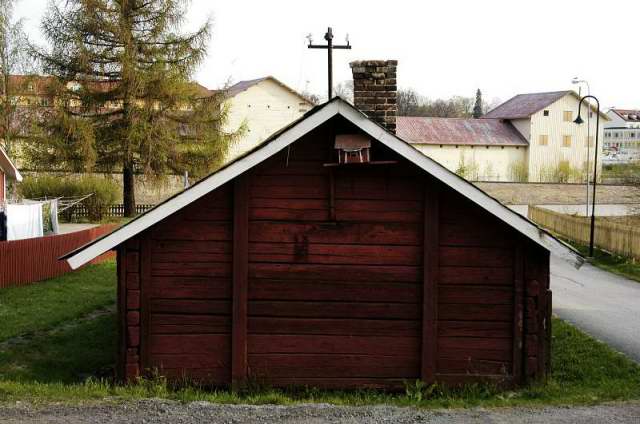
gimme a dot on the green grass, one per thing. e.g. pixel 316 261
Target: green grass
pixel 55 364
pixel 626 171
pixel 620 265
pixel 44 305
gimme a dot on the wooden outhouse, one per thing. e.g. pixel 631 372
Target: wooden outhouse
pixel 289 267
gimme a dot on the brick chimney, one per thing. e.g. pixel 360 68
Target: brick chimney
pixel 375 90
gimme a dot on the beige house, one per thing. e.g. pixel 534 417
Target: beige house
pixel 531 137
pixel 263 106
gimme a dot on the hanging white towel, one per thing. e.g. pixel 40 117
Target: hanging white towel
pixel 24 221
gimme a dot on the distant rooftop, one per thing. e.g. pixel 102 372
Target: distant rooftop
pixel 458 131
pixel 245 85
pixel 629 115
pixel 525 105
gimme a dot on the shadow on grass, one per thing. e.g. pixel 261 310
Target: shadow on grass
pixel 69 354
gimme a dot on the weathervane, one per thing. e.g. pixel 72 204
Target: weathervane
pixel 329 46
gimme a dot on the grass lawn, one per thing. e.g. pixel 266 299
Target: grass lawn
pixel 626 171
pixel 37 307
pixel 611 262
pixel 53 362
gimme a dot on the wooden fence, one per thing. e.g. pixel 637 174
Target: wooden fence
pixel 610 236
pixel 80 211
pixel 27 261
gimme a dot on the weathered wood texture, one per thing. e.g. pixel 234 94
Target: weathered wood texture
pixel 334 302
pixel 349 277
pixel 476 291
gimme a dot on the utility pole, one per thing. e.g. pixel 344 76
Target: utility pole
pixel 329 46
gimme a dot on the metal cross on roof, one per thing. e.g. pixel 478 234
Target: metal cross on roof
pixel 329 46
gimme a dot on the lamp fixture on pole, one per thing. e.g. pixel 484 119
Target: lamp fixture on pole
pixel 579 121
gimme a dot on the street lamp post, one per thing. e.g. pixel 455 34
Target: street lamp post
pixel 577 80
pixel 579 121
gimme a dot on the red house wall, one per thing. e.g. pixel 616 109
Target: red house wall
pixel 302 274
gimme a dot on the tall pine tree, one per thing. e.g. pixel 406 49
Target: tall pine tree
pixel 477 107
pixel 125 100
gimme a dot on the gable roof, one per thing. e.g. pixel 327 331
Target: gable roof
pixel 629 115
pixel 458 131
pixel 241 86
pixel 525 105
pixel 8 167
pixel 288 135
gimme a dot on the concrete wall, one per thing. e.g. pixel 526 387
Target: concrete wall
pixel 265 108
pixel 494 163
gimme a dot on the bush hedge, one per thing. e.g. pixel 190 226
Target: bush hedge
pixel 105 191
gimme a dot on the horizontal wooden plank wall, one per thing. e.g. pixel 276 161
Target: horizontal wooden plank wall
pixel 28 261
pixel 129 310
pixel 186 331
pixel 537 309
pixel 475 293
pixel 334 302
pixel 365 277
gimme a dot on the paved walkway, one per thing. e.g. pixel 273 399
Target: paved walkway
pixel 602 304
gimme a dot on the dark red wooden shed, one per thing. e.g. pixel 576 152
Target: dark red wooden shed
pixel 288 268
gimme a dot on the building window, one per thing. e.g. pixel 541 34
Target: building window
pixel 545 113
pixel 44 101
pixel 567 116
pixel 544 140
pixel 615 134
pixel 632 135
pixel 566 141
pixel 589 141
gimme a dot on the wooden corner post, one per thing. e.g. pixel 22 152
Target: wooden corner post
pixel 240 281
pixel 430 281
pixel 519 354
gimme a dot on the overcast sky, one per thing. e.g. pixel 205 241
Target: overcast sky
pixel 444 48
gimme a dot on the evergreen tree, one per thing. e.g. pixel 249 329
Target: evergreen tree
pixel 477 108
pixel 125 100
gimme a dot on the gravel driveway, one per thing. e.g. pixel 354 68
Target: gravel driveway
pixel 202 412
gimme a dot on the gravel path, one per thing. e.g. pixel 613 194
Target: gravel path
pixel 200 412
pixel 560 194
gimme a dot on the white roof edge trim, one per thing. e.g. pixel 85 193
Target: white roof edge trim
pixel 292 134
pixel 201 189
pixel 462 186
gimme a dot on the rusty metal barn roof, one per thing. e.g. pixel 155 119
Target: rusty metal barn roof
pixel 458 131
pixel 525 105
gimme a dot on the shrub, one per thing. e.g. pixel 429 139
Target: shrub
pixel 467 170
pixel 104 191
pixel 518 172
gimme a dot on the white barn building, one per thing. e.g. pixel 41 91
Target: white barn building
pixel 530 137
